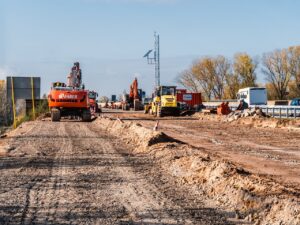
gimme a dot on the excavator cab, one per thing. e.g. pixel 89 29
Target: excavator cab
pixel 58 85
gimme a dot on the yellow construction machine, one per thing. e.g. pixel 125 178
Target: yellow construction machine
pixel 164 102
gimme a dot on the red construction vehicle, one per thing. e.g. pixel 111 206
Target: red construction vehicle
pixel 93 102
pixel 70 99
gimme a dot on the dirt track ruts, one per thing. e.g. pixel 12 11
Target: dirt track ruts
pixel 75 173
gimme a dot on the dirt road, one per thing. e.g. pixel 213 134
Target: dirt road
pixel 266 151
pixel 75 173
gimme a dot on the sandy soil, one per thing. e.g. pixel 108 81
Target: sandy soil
pixel 254 199
pixel 271 152
pixel 77 173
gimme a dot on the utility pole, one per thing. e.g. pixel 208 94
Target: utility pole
pixel 155 60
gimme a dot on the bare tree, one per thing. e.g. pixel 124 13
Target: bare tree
pixel 233 84
pixel 203 73
pixel 220 72
pixel 207 75
pixel 188 80
pixel 277 71
pixel 294 67
pixel 244 67
pixel 103 99
pixel 211 74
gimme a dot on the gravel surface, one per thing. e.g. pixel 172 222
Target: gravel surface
pixel 76 173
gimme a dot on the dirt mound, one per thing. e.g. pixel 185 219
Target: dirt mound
pixel 253 198
pixel 252 118
pixel 134 133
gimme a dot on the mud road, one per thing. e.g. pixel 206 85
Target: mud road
pixel 75 173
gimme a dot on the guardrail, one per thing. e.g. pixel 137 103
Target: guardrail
pixel 274 111
pixel 281 111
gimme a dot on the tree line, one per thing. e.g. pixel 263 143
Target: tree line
pixel 220 78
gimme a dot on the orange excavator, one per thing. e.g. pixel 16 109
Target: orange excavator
pixel 134 99
pixel 70 99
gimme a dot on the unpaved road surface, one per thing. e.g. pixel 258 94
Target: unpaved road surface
pixel 75 173
pixel 271 152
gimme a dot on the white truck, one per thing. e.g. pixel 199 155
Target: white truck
pixel 253 96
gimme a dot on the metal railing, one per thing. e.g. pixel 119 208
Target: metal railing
pixel 273 111
pixel 281 111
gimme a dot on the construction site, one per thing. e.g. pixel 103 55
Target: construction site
pixel 211 145
pixel 166 159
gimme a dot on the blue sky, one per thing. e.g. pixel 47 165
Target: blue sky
pixel 109 37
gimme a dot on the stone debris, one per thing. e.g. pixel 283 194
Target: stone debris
pixel 254 112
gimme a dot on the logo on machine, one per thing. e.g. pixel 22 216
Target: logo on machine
pixel 67 96
pixel 187 97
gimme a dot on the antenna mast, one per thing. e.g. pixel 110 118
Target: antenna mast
pixel 155 59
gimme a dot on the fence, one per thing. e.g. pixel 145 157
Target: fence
pixel 274 111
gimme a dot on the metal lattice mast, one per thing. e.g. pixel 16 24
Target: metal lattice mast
pixel 155 60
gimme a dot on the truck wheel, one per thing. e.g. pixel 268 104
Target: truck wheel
pixel 55 115
pixel 86 116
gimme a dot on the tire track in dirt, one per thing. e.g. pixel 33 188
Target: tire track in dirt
pixel 39 189
pixel 78 174
pixel 149 198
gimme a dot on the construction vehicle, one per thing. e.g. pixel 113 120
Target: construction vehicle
pixel 189 100
pixel 164 102
pixel 134 99
pixel 223 109
pixel 70 99
pixel 94 108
